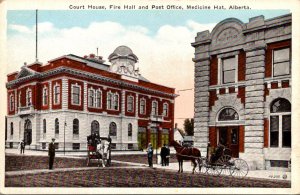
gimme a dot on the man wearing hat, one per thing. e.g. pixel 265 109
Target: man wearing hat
pixel 51 153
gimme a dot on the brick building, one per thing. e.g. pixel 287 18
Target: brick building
pixel 70 97
pixel 243 89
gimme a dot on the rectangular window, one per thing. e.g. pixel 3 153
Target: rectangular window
pixel 11 103
pixel 76 146
pixel 154 110
pixel 56 94
pixel 281 62
pixel 286 131
pixel 56 146
pixel 274 131
pixel 43 146
pixel 91 98
pixel 130 146
pixel 29 98
pixel 129 104
pixel 98 99
pixel 113 146
pixel 109 101
pixel 45 96
pixel 165 109
pixel 116 102
pixel 279 163
pixel 228 70
pixel 76 95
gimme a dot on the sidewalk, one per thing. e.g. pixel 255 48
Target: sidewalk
pixel 187 166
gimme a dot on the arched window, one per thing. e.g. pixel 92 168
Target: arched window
pixel 228 114
pixel 113 129
pixel 142 106
pixel 95 127
pixel 11 128
pixel 280 123
pixel 44 126
pixel 76 126
pixel 129 130
pixel 130 104
pixel 56 93
pixel 56 126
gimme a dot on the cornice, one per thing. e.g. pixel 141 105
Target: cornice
pixel 86 75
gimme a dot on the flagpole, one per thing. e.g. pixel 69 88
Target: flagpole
pixel 36 35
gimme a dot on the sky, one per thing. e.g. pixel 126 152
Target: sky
pixel 161 39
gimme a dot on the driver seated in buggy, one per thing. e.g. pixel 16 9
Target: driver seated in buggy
pixel 215 154
pixel 93 140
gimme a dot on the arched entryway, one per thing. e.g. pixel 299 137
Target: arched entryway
pixel 27 132
pixel 228 135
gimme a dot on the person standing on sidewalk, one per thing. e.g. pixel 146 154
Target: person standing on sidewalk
pixel 51 153
pixel 22 147
pixel 150 154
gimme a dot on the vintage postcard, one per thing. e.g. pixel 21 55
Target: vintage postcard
pixel 150 97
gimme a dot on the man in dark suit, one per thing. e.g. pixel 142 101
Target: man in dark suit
pixel 51 153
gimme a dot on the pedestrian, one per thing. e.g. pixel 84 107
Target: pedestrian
pixel 163 155
pixel 109 150
pixel 51 153
pixel 22 147
pixel 167 155
pixel 150 154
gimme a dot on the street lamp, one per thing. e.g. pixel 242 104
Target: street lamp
pixel 65 124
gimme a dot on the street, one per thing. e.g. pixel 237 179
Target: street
pixel 73 172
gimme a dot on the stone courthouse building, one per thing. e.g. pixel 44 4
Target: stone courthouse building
pixel 71 97
pixel 243 89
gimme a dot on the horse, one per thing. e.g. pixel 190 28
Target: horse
pixel 102 152
pixel 186 153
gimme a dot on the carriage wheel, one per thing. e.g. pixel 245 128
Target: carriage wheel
pixel 239 168
pixel 214 169
pixel 224 164
pixel 202 166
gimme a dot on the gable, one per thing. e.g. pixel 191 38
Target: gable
pixel 25 72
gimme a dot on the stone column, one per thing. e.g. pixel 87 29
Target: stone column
pixel 201 104
pixel 254 106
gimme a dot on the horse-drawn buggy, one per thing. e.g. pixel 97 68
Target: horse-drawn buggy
pixel 217 161
pixel 98 148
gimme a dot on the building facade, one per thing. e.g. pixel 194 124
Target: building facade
pixel 71 97
pixel 243 90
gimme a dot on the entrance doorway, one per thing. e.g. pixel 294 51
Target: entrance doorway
pixel 229 137
pixel 27 132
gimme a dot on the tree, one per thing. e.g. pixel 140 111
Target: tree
pixel 189 126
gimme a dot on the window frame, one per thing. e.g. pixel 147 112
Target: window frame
pixel 56 94
pixel 91 97
pixel 280 128
pixel 165 109
pixel 28 97
pixel 143 106
pixel 115 130
pixel 11 102
pixel 44 126
pixel 130 103
pixel 75 94
pixel 154 112
pixel 45 96
pixel 11 128
pixel 56 126
pixel 130 127
pixel 112 101
pixel 274 63
pixel 75 126
pixel 235 57
pixel 98 98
